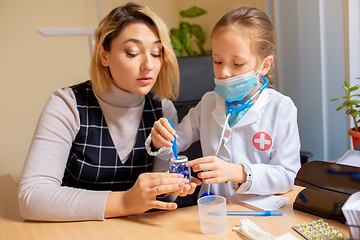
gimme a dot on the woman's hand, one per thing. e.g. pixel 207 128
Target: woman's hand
pixel 142 196
pixel 188 188
pixel 162 134
pixel 215 170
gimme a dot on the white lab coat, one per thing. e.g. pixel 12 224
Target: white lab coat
pixel 266 139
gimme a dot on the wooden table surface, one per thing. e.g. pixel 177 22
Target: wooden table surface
pixel 182 223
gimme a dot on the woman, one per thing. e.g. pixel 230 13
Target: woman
pixel 87 160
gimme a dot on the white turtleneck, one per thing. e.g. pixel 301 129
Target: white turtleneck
pixel 41 196
pixel 122 111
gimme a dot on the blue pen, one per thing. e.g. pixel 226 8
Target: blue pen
pixel 249 213
pixel 174 146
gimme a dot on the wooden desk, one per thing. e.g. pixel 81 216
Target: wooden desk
pixel 178 224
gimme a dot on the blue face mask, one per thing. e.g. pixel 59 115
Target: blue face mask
pixel 236 88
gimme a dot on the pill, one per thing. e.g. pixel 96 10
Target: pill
pixel 319 230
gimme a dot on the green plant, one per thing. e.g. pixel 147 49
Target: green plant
pixel 181 38
pixel 350 103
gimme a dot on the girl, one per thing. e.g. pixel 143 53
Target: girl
pixel 87 160
pixel 250 141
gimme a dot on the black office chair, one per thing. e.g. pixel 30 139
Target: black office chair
pixel 196 78
pixel 304 157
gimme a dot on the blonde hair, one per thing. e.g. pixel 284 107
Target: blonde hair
pixel 167 83
pixel 256 26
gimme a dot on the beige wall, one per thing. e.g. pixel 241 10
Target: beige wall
pixel 32 66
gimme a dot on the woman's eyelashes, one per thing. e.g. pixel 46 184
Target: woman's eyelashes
pixel 132 55
pixel 157 55
pixel 157 52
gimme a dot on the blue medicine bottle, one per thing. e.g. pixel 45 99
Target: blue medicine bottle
pixel 178 166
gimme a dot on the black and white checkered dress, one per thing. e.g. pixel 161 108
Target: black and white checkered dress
pixel 93 161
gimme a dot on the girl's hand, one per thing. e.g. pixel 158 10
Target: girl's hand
pixel 162 134
pixel 188 188
pixel 142 196
pixel 215 170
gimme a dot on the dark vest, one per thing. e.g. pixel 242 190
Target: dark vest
pixel 93 161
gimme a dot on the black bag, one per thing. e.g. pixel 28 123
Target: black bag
pixel 328 186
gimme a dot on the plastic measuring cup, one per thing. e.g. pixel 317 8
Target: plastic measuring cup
pixel 211 224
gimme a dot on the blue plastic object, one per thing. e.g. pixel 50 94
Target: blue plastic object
pixel 206 194
pixel 250 213
pixel 233 109
pixel 174 145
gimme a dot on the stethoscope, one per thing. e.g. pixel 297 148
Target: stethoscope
pixel 231 110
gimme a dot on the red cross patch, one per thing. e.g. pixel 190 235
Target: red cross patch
pixel 262 141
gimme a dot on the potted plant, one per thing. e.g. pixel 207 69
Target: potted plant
pixel 195 65
pixel 351 104
pixel 183 37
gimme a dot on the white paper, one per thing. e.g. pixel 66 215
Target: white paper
pixel 351 210
pixel 286 236
pixel 267 202
pixel 350 158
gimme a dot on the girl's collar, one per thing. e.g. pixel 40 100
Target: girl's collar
pixel 254 113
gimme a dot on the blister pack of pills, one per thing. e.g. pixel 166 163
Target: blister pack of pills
pixel 319 230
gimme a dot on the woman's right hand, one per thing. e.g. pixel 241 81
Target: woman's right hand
pixel 142 196
pixel 162 134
